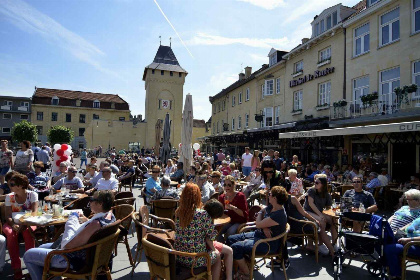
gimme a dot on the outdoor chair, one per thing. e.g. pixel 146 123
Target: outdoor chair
pixel 124 195
pixel 141 222
pixel 306 235
pixel 279 254
pixel 128 200
pixel 165 208
pixel 81 203
pixel 98 253
pixel 124 213
pixel 161 259
pixel 127 183
pixel 407 258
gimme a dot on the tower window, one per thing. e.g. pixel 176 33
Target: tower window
pixel 171 73
pixel 153 71
pixel 162 72
pixel 180 75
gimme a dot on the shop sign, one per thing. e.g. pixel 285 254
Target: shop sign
pixel 304 134
pixel 310 77
pixel 409 127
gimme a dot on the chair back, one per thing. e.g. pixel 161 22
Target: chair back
pixel 123 195
pixel 127 200
pixel 165 208
pixel 124 213
pixel 345 188
pixel 252 211
pixel 161 263
pixel 81 203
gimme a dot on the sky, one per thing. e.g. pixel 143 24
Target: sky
pixel 103 45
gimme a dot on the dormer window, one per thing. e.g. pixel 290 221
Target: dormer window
pixel 273 59
pixel 96 104
pixel 324 22
pixel 55 100
pixel 78 102
pixel 112 105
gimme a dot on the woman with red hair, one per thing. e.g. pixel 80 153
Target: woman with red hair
pixel 193 227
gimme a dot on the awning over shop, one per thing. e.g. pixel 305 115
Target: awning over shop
pixel 367 129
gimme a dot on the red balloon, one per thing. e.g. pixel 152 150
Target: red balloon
pixel 64 158
pixel 58 162
pixel 64 147
pixel 60 153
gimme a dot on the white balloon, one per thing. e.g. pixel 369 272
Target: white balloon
pixel 56 157
pixel 57 147
pixel 196 146
pixel 67 152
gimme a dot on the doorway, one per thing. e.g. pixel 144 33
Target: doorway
pixel 404 161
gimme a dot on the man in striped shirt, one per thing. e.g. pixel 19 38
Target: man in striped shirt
pixel 408 213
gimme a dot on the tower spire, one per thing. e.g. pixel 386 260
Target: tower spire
pixel 170 42
pixel 160 40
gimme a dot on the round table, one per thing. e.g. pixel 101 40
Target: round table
pixel 219 222
pixel 54 199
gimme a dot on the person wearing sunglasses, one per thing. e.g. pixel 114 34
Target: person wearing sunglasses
pixel 271 177
pixel 39 181
pixel 106 183
pixel 19 200
pixel 236 206
pixel 316 200
pixel 215 180
pixel 178 175
pixel 206 188
pixel 153 183
pixel 359 196
pixel 71 181
pixel 77 232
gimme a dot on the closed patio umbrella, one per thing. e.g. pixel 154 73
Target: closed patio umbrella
pixel 186 154
pixel 166 148
pixel 158 132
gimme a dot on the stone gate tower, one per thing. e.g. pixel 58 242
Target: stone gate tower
pixel 164 84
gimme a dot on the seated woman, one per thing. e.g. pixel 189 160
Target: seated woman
pixel 170 168
pixel 236 206
pixel 215 181
pixel 19 200
pixel 316 200
pixel 39 182
pixel 193 228
pixel 296 187
pixel 407 219
pixel 254 183
pixel 271 222
pixel 153 183
pixel 5 188
pixel 92 171
pixel 75 235
pixel 191 174
pixel 166 191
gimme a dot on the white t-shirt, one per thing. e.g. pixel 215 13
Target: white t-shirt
pixel 247 160
pixel 88 176
pixel 103 185
pixel 10 200
pixel 383 179
pixel 73 184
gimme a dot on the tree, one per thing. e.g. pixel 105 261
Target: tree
pixel 24 130
pixel 60 134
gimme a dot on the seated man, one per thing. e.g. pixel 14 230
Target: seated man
pixel 39 181
pixel 178 175
pixel 106 183
pixel 165 192
pixel 94 180
pixel 126 178
pixel 61 173
pixel 374 182
pixel 360 196
pixel 206 188
pixel 71 182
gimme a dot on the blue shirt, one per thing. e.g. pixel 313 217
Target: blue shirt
pixel 311 177
pixel 373 184
pixel 178 174
pixel 5 188
pixel 43 156
pixel 150 184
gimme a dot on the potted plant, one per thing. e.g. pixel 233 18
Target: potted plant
pixel 340 103
pixel 369 98
pixel 412 88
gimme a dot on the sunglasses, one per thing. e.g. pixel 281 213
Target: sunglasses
pixel 257 170
pixel 228 185
pixel 271 171
pixel 155 171
pixel 318 183
pixel 11 184
pixel 215 176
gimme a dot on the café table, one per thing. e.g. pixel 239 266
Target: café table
pixel 54 199
pixel 57 223
pixel 174 184
pixel 220 222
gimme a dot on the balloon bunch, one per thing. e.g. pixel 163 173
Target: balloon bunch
pixel 196 148
pixel 61 154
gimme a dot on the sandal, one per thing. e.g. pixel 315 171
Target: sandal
pixel 240 276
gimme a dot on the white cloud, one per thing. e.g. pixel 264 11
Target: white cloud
pixel 206 39
pixel 265 4
pixel 31 20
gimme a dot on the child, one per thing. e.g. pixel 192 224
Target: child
pixel 215 210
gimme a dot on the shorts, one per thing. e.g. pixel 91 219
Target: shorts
pixel 246 170
pixel 4 170
pixel 218 246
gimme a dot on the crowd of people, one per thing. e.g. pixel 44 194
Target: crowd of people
pixel 214 185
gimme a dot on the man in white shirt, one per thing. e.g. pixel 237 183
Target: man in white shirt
pixel 383 177
pixel 246 162
pixel 106 183
pixel 206 188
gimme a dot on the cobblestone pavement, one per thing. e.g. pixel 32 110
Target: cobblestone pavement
pixel 303 265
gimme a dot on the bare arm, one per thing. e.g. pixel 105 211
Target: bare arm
pixel 372 209
pixel 313 206
pixel 300 209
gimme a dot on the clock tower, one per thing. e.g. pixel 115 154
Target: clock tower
pixel 164 84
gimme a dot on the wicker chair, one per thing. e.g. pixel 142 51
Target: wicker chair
pixel 127 183
pixel 124 195
pixel 81 203
pixel 304 235
pixel 161 258
pixel 98 253
pixel 279 254
pixel 141 221
pixel 165 208
pixel 407 258
pixel 128 200
pixel 124 213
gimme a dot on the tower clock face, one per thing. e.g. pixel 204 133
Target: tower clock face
pixel 165 104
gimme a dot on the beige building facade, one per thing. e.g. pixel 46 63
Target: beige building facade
pixel 366 50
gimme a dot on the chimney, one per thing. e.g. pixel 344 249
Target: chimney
pixel 304 40
pixel 241 76
pixel 140 117
pixel 248 71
